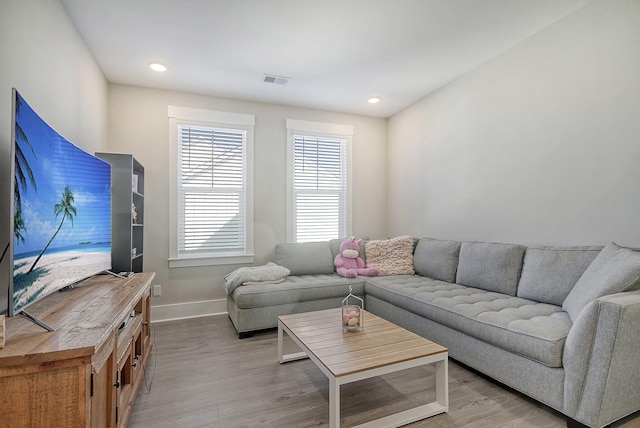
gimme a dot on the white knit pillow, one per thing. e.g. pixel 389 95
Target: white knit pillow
pixel 391 256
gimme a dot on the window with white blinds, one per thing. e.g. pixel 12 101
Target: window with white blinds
pixel 211 187
pixel 319 188
pixel 318 180
pixel 211 190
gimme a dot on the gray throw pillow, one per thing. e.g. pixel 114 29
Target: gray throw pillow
pixel 614 270
pixel 490 266
pixel 436 259
pixel 308 258
pixel 550 273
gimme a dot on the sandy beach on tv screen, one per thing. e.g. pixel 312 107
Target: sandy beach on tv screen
pixel 54 271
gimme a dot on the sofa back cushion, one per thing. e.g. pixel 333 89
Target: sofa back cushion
pixel 306 258
pixel 490 266
pixel 437 259
pixel 615 269
pixel 549 273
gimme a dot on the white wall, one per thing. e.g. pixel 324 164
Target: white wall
pixel 45 59
pixel 539 146
pixel 138 124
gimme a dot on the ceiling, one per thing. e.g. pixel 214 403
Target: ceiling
pixel 337 53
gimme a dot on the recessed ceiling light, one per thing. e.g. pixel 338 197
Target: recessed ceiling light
pixel 374 100
pixel 157 66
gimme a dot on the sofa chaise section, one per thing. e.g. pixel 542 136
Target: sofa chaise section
pixel 312 285
pixel 257 307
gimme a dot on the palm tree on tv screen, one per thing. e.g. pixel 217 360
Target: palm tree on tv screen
pixel 23 173
pixel 18 226
pixel 23 170
pixel 66 208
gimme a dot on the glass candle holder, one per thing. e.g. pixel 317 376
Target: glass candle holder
pixel 351 318
pixel 352 314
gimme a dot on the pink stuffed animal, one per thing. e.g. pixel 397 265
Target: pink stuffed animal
pixel 347 261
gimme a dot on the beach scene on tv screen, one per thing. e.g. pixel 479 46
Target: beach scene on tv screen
pixel 62 211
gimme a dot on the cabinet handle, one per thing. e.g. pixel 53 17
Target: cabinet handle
pixel 117 384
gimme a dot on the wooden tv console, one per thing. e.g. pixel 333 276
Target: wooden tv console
pixel 86 373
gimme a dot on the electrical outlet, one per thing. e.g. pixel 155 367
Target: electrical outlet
pixel 157 290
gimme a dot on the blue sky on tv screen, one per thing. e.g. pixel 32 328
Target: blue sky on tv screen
pixel 56 163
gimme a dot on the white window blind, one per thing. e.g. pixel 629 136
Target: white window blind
pixel 212 185
pixel 319 188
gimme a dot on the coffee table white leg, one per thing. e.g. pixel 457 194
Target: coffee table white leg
pixel 334 403
pixel 289 357
pixel 442 383
pixel 280 342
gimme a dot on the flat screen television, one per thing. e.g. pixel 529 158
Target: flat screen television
pixel 61 204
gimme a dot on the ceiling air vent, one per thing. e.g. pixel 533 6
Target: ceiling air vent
pixel 278 80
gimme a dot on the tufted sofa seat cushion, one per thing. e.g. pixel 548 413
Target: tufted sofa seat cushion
pixel 296 289
pixel 533 330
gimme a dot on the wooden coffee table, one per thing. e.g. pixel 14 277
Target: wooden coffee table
pixel 381 348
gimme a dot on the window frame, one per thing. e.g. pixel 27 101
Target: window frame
pixel 214 119
pixel 316 130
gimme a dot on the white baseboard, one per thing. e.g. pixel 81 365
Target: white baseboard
pixel 178 311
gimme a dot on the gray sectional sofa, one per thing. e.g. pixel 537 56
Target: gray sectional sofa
pixel 559 324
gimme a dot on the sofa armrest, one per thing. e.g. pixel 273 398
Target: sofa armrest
pixel 601 360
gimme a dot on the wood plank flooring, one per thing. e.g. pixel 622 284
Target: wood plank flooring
pixel 202 375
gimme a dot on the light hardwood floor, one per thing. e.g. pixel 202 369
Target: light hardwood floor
pixel 202 375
